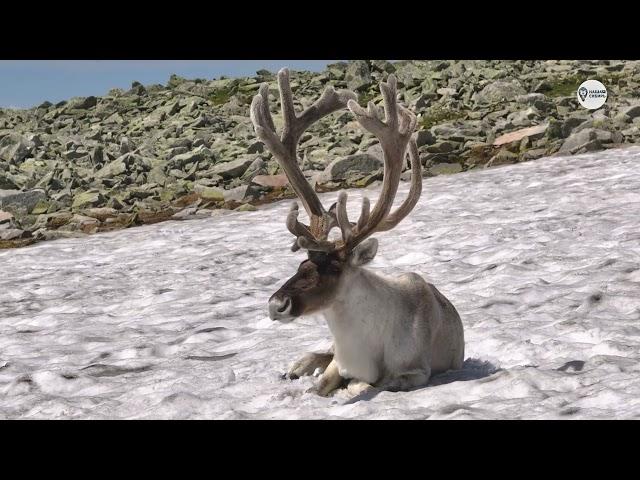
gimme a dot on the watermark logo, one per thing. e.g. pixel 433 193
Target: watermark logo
pixel 582 91
pixel 592 94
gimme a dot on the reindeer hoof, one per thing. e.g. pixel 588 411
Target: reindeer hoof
pixel 309 364
pixel 321 390
pixel 357 387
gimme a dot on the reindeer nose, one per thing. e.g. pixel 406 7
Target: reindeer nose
pixel 279 307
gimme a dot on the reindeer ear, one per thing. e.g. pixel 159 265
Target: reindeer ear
pixel 364 253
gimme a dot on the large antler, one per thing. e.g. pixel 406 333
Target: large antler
pixel 394 134
pixel 284 149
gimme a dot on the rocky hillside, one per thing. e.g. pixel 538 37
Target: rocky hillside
pixel 186 148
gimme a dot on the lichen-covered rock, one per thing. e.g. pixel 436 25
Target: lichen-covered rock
pixel 500 91
pixel 211 194
pixel 257 167
pixel 445 168
pixel 503 157
pixel 42 206
pixel 20 202
pixel 442 147
pixel 102 214
pixel 351 166
pixel 12 233
pixel 81 223
pixel 234 168
pixel 7 182
pixel 358 75
pixel 114 168
pixel 81 103
pixel 14 148
pixel 632 111
pixel 91 198
pixel 247 207
pixel 578 140
pixel 424 137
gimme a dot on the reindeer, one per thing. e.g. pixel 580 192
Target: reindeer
pixel 389 333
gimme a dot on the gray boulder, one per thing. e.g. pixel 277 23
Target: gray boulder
pixel 19 202
pixel 410 74
pixel 97 156
pixel 257 167
pixel 523 118
pixel 503 157
pixel 212 194
pixel 337 70
pixel 500 91
pixel 14 148
pixel 351 166
pixel 12 234
pixel 537 100
pixel 81 103
pixel 583 139
pixel 7 182
pixel 91 198
pixel 570 123
pixel 234 168
pixel 114 168
pixel 157 175
pixel 424 137
pixel 196 155
pixel 442 147
pixel 445 168
pixel 237 194
pixel 632 111
pixel 358 75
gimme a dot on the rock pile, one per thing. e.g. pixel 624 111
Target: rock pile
pixel 156 152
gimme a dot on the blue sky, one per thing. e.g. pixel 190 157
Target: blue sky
pixel 27 83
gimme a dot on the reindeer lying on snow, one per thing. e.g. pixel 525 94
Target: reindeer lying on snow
pixel 389 333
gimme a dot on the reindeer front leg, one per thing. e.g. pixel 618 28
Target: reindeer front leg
pixel 308 365
pixel 329 381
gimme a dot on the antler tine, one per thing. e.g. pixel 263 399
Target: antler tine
pixel 263 91
pixel 394 134
pixel 414 192
pixel 295 125
pixel 298 229
pixel 286 100
pixel 329 102
pixel 343 218
pixel 388 91
pixel 263 123
pixel 294 226
pixel 367 118
pixel 408 121
pixel 364 214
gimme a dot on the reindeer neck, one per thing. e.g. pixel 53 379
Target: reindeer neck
pixel 360 291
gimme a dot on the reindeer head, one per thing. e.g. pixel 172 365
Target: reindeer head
pixel 317 280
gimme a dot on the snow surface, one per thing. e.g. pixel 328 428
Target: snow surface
pixel 541 259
